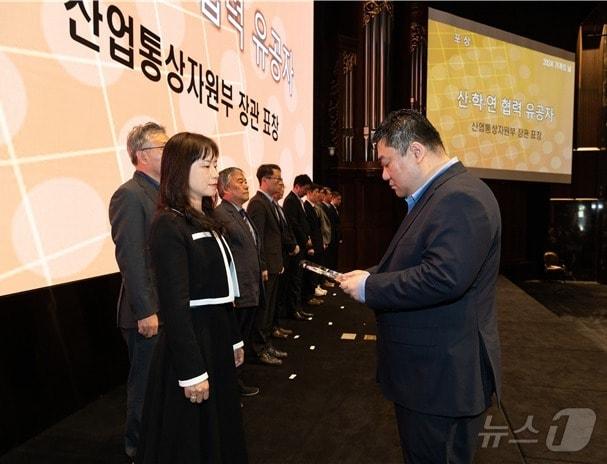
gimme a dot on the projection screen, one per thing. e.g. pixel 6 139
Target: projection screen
pixel 77 76
pixel 502 103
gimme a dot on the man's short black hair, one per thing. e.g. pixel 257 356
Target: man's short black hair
pixel 313 187
pixel 302 180
pixel 403 127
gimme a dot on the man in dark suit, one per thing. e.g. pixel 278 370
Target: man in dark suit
pixel 263 213
pixel 246 249
pixel 132 208
pixel 290 249
pixel 433 293
pixel 312 280
pixel 332 218
pixel 296 216
pixel 333 213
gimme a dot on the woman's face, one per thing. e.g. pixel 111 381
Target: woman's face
pixel 203 178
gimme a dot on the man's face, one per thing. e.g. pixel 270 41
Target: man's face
pixel 400 171
pixel 313 195
pixel 238 188
pixel 272 183
pixel 280 191
pixel 151 153
pixel 301 190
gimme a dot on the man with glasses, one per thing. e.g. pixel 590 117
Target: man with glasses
pixel 265 216
pixel 132 208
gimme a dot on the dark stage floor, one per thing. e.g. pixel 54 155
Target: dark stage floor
pixel 332 411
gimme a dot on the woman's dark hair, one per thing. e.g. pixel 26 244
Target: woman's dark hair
pixel 179 153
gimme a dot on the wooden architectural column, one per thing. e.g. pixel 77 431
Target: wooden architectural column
pixel 418 44
pixel 348 62
pixel 377 31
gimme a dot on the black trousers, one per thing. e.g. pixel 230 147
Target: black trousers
pixel 427 439
pixel 140 354
pixel 265 317
pixel 246 320
pixel 311 280
pixel 289 288
pixel 281 300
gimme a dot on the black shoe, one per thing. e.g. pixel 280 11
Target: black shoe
pixel 277 353
pixel 277 333
pixel 267 358
pixel 284 330
pixel 246 390
pixel 305 314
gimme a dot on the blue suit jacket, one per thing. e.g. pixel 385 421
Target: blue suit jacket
pixel 434 297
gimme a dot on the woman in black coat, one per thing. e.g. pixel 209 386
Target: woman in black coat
pixel 192 407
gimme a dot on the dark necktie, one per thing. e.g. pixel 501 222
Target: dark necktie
pixel 245 218
pixel 277 212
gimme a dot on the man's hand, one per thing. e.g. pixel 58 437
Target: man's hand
pixel 311 251
pixel 148 327
pixel 238 356
pixel 350 283
pixel 295 251
pixel 197 393
pixel 264 276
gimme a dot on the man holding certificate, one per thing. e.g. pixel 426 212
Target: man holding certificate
pixel 433 293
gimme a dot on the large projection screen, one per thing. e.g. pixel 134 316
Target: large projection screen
pixel 502 103
pixel 77 76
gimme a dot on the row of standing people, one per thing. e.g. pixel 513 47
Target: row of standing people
pixel 288 234
pixel 199 285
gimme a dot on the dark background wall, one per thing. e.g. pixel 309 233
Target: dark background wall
pixel 371 213
pixel 59 349
pixel 59 345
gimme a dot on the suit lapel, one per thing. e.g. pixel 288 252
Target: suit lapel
pixel 454 170
pixel 232 211
pixel 270 208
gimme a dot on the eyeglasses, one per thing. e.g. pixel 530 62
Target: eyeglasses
pixel 279 179
pixel 151 148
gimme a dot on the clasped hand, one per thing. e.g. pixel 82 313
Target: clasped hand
pixel 148 326
pixel 350 283
pixel 197 393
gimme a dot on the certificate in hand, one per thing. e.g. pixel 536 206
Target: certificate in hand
pixel 318 269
